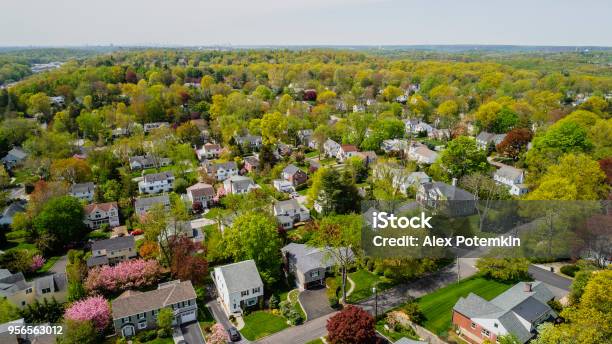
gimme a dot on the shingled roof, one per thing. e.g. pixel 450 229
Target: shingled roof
pixel 134 302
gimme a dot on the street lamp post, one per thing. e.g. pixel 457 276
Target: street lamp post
pixel 375 302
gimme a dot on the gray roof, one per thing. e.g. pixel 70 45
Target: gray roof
pixel 239 182
pixel 517 294
pixel 240 276
pixel 12 209
pixel 291 169
pixel 155 177
pixel 56 282
pixel 290 204
pixel 82 187
pixel 417 178
pixel 145 202
pixel 12 283
pixel 509 172
pixel 97 261
pixel 118 243
pixel 134 302
pixel 309 257
pixel 451 192
pixel 18 153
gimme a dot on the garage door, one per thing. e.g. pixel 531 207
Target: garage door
pixel 187 317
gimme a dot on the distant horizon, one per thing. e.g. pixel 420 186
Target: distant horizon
pixel 246 23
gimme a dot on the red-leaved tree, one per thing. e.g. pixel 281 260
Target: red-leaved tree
pixel 514 143
pixel 188 259
pixel 351 325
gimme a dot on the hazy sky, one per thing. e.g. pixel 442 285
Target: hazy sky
pixel 303 22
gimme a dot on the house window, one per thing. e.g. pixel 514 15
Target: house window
pixel 46 290
pixel 473 325
pixel 314 273
pixel 23 303
pixel 28 291
pixel 495 325
pixel 244 293
pixel 142 324
pixel 485 332
pixel 255 290
pixel 140 316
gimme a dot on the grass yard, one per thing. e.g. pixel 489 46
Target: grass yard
pixel 262 323
pixel 312 154
pixel 293 298
pixel 395 335
pixel 48 264
pixel 316 341
pixel 364 281
pixel 437 306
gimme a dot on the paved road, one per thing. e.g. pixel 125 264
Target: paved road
pixel 192 333
pixel 60 265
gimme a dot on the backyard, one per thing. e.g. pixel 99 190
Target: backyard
pixel 437 306
pixel 364 281
pixel 262 323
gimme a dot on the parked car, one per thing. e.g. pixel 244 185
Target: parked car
pixel 233 334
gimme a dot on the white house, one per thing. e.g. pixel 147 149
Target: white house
pixel 155 125
pixel 83 191
pixel 421 153
pixel 346 151
pixel 156 183
pixel 250 141
pixel 221 170
pixel 98 214
pixel 141 162
pixel 283 185
pixel 209 151
pixel 513 178
pixel 290 212
pixel 415 126
pixel 485 139
pixel 331 148
pixel 143 204
pixel 239 286
pixel 394 145
pixel 201 193
pixel 238 185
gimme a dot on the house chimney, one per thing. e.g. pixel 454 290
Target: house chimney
pixel 528 286
pixel 454 181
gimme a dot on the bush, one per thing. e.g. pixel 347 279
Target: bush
pixel 295 318
pixel 162 333
pixel 414 312
pixel 148 336
pixel 14 235
pixel 570 270
pixel 273 302
pixel 334 302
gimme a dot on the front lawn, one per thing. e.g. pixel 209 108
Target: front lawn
pixel 364 281
pixel 293 298
pixel 316 341
pixel 437 306
pixel 395 335
pixel 262 323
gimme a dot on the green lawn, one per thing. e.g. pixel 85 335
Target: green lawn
pixel 262 323
pixel 48 264
pixel 293 298
pixel 395 335
pixel 437 306
pixel 316 341
pixel 312 154
pixel 364 281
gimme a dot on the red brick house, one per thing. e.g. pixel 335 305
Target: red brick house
pixel 294 175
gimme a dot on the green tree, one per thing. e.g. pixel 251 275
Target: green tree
pixel 273 127
pixel 8 312
pixel 254 236
pixel 61 217
pixel 462 157
pixel 334 192
pixel 164 319
pixel 78 332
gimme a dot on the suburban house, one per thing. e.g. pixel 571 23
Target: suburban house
pixel 193 230
pixel 112 251
pixel 331 148
pixel 284 149
pixel 21 292
pixel 293 174
pixel 134 311
pixel 208 151
pixel 403 182
pixel 155 125
pixel 283 185
pixel 519 310
pixel 394 145
pixel 156 183
pixel 369 157
pixel 142 162
pixel 484 140
pixel 251 163
pixel 7 215
pixel 440 134
pixel 252 142
pixel 14 157
pixel 309 264
pixel 415 127
pixel 238 285
pixel 450 198
pixel 201 193
pixel 346 151
pixel 305 137
pixel 513 178
pixel 98 214
pixel 83 191
pixel 221 170
pixel 421 153
pixel 237 185
pixel 290 212
pixel 143 204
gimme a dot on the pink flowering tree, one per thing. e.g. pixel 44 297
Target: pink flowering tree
pixel 37 262
pixel 218 335
pixel 94 309
pixel 130 274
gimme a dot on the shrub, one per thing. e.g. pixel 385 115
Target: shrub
pixel 148 336
pixel 273 302
pixel 351 325
pixel 414 312
pixel 37 262
pixel 570 270
pixel 130 274
pixel 295 318
pixel 218 335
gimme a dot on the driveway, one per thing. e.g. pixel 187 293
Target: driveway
pixel 315 303
pixel 60 265
pixel 221 318
pixel 192 333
